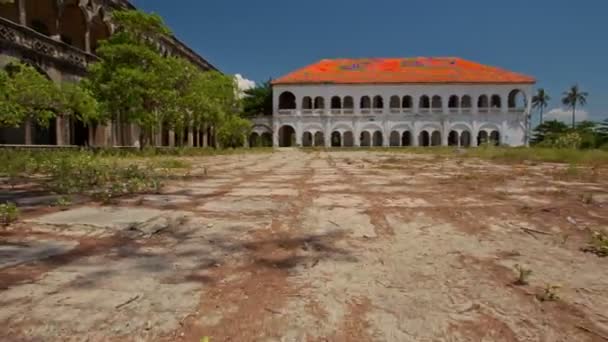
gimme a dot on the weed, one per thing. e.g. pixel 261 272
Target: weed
pixel 9 213
pixel 598 244
pixel 523 275
pixel 63 202
pixel 164 163
pixel 549 294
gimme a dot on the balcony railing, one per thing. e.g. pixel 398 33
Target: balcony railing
pixel 425 110
pixel 407 110
pixel 395 110
pixel 22 37
pixel 483 110
pixel 378 110
pixel 454 110
pixel 335 111
pixel 517 110
pixel 287 111
pixel 348 111
pixel 365 110
pixel 306 111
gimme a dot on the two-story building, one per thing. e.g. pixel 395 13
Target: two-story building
pixel 398 102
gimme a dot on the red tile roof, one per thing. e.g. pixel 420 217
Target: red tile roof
pixel 401 70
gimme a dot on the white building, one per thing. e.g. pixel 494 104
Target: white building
pixel 398 102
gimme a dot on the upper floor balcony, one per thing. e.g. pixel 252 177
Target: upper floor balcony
pixel 288 104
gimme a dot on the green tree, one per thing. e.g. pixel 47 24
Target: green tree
pixel 540 101
pixel 573 98
pixel 549 130
pixel 258 100
pixel 128 80
pixel 233 131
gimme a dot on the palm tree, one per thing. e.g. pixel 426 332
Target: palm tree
pixel 540 101
pixel 572 98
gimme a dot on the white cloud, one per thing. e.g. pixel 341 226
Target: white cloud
pixel 565 115
pixel 243 84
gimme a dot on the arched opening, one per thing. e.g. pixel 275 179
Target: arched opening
pixel 99 31
pixel 307 103
pixel 453 102
pixel 407 103
pixel 254 140
pixel 41 16
pixel 79 132
pixel 495 102
pixel 366 103
pixel 287 136
pixel 73 25
pixel 378 140
pixel 395 139
pixel 10 11
pixel 482 102
pixel 378 102
pixel 482 138
pixel 495 138
pixel 395 104
pixel 465 139
pixel 466 102
pixel 366 139
pixel 517 100
pixel 436 138
pixel 437 103
pixel 319 139
pixel 406 139
pixel 453 138
pixel 336 102
pixel 319 103
pixel 266 139
pixel 349 105
pixel 307 139
pixel 336 139
pixel 45 135
pixel 425 102
pixel 349 140
pixel 287 101
pixel 424 139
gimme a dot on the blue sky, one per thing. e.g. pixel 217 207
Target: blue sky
pixel 560 42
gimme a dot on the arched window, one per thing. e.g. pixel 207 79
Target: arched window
pixel 436 103
pixel 395 104
pixel 466 102
pixel 365 104
pixel 336 139
pixel 349 105
pixel 425 102
pixel 73 26
pixel 407 103
pixel 465 139
pixel 495 138
pixel 319 102
pixel 377 138
pixel 100 31
pixel 495 101
pixel 336 102
pixel 482 102
pixel 517 100
pixel 306 103
pixel 287 101
pixel 453 102
pixel 378 102
pixel 287 136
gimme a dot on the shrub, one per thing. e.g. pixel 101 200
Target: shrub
pixel 9 213
pixel 598 244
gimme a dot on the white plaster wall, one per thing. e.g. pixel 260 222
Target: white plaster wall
pixel 510 122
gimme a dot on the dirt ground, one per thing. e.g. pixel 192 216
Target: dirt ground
pixel 318 246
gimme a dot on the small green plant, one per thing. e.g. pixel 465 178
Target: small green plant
pixel 598 244
pixel 63 202
pixel 170 163
pixel 549 294
pixel 9 213
pixel 523 275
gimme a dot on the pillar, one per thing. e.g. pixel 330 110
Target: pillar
pixel 28 132
pixel 22 14
pixel 205 141
pixel 87 37
pixel 275 138
pixel 190 137
pixel 59 138
pixel 172 138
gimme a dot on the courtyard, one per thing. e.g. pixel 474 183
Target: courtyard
pixel 319 246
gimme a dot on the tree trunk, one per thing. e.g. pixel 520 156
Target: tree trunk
pixel 574 116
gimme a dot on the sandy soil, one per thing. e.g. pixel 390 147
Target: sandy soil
pixel 338 246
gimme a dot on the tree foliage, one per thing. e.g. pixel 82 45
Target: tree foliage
pixel 572 98
pixel 258 100
pixel 540 101
pixel 137 84
pixel 27 95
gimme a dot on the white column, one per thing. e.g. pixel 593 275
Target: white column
pixel 22 13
